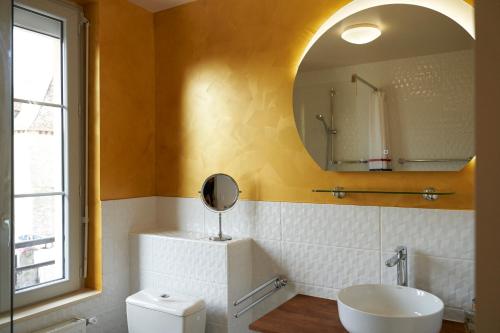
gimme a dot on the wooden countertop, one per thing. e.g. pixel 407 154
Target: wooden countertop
pixel 307 314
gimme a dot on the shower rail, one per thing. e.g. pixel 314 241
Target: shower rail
pixel 350 162
pixel 278 283
pixel 356 77
pixel 439 160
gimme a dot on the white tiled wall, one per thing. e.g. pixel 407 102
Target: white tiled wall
pixel 320 248
pixel 323 248
pixel 118 217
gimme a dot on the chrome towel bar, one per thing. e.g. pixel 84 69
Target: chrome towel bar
pixel 439 160
pixel 350 162
pixel 277 282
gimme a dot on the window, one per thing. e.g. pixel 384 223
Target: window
pixel 47 149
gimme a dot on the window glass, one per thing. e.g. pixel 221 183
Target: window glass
pixel 39 240
pixel 39 146
pixel 38 149
pixel 37 66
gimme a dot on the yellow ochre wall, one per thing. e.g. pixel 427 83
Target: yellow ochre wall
pixel 121 112
pixel 124 48
pixel 224 82
pixel 127 120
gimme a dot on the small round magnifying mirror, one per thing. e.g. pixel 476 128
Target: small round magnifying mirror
pixel 219 193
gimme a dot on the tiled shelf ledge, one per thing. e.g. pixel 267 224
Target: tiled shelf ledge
pixel 53 304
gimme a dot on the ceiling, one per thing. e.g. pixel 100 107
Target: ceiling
pixel 158 5
pixel 407 31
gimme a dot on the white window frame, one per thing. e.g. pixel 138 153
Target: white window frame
pixel 71 16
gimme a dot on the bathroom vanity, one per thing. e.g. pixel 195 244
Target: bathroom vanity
pixel 308 314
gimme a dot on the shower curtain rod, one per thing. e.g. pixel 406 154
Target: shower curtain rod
pixel 356 77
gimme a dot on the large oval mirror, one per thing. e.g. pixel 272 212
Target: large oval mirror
pixel 388 88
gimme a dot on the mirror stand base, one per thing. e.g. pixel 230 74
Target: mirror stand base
pixel 220 238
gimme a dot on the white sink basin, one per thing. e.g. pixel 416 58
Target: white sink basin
pixel 374 308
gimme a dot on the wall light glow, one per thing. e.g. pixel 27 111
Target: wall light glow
pixel 458 10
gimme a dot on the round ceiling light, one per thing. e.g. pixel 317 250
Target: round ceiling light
pixel 361 33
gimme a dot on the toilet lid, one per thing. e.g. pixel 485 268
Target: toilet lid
pixel 175 304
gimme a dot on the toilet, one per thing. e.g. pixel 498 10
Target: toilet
pixel 153 311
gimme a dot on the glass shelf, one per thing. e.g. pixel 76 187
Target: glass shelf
pixel 428 194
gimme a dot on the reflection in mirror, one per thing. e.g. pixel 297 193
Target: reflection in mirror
pixel 219 193
pixel 401 100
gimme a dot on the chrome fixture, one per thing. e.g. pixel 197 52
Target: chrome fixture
pixel 428 193
pixel 401 260
pixel 278 283
pixel 356 77
pixel 219 194
pixel 350 162
pixel 338 192
pixel 329 130
pixel 470 318
pixel 439 160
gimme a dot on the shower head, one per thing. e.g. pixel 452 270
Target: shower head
pixel 321 118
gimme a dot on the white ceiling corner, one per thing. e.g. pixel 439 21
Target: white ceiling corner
pixel 159 5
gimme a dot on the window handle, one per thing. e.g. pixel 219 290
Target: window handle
pixel 6 224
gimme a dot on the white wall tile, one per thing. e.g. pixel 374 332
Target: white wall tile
pixel 235 222
pixel 450 279
pixel 239 269
pixel 307 263
pixel 454 314
pixel 441 233
pixel 266 260
pixel 328 266
pixel 346 226
pixel 306 289
pixel 215 328
pixel 198 260
pixel 256 219
pixel 185 214
pixel 141 252
pixel 267 222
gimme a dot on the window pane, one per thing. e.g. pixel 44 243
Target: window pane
pixel 37 149
pixel 37 66
pixel 39 240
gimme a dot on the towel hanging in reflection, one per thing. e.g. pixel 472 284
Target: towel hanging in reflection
pixel 378 128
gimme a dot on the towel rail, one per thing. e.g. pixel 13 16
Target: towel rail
pixel 438 160
pixel 350 162
pixel 278 283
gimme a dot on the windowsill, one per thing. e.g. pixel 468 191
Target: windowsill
pixel 30 311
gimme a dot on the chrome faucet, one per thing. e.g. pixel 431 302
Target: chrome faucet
pixel 400 259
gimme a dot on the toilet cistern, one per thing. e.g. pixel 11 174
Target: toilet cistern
pixel 401 260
